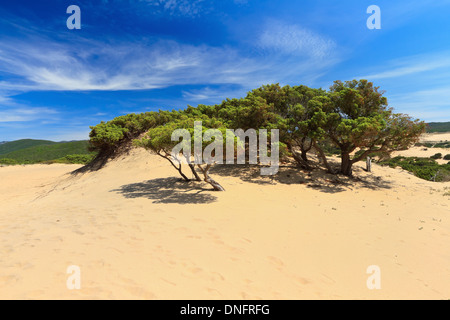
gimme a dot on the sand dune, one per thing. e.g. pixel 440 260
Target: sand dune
pixel 436 137
pixel 425 152
pixel 137 232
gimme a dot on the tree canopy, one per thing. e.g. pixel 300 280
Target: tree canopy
pixel 352 116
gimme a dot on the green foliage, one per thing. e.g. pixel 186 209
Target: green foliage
pixel 53 151
pixel 8 147
pixel 7 161
pixel 69 159
pixel 361 151
pixel 445 144
pixel 78 158
pixel 433 127
pixel 424 144
pixel 353 116
pixel 105 136
pixel 436 156
pixel 109 135
pixel 159 139
pixel 424 168
pixel 329 148
pixel 360 120
pixel 447 157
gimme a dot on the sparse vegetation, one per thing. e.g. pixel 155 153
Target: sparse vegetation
pixel 9 162
pixel 444 145
pixel 424 168
pixel 436 156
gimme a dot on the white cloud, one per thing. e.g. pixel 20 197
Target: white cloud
pixel 178 7
pixel 12 111
pixel 39 63
pixel 429 105
pixel 24 114
pixel 86 65
pixel 424 99
pixel 209 95
pixel 407 66
pixel 416 85
pixel 200 95
pixel 295 40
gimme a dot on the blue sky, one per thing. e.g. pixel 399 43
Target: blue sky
pixel 142 55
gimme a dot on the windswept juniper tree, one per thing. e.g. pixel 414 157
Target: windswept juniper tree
pixel 360 120
pixel 301 117
pixel 164 140
pixel 353 116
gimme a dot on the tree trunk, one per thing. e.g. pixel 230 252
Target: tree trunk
pixel 208 179
pixel 299 159
pixel 182 174
pixel 304 155
pixel 197 177
pixel 167 157
pixel 305 149
pixel 323 157
pixel 346 164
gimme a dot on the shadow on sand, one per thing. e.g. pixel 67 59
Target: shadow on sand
pixel 168 190
pixel 316 179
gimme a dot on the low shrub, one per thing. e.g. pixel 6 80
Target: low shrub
pixel 424 168
pixel 8 161
pixel 437 156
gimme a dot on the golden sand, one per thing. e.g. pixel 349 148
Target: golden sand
pixel 137 232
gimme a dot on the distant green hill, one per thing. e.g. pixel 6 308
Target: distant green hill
pixel 8 147
pixel 52 151
pixel 438 127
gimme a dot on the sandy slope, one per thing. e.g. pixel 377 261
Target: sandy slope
pixel 428 152
pixel 436 137
pixel 424 153
pixel 137 232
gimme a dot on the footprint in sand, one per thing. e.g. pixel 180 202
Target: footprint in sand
pixel 303 281
pixel 169 282
pixel 194 237
pixel 276 261
pixel 195 270
pixel 217 276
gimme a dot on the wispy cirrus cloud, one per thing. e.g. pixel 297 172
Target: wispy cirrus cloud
pixel 207 94
pixel 295 40
pixel 13 111
pixel 179 7
pixel 102 66
pixel 431 99
pixel 429 104
pixel 24 114
pixel 407 66
pixel 45 64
